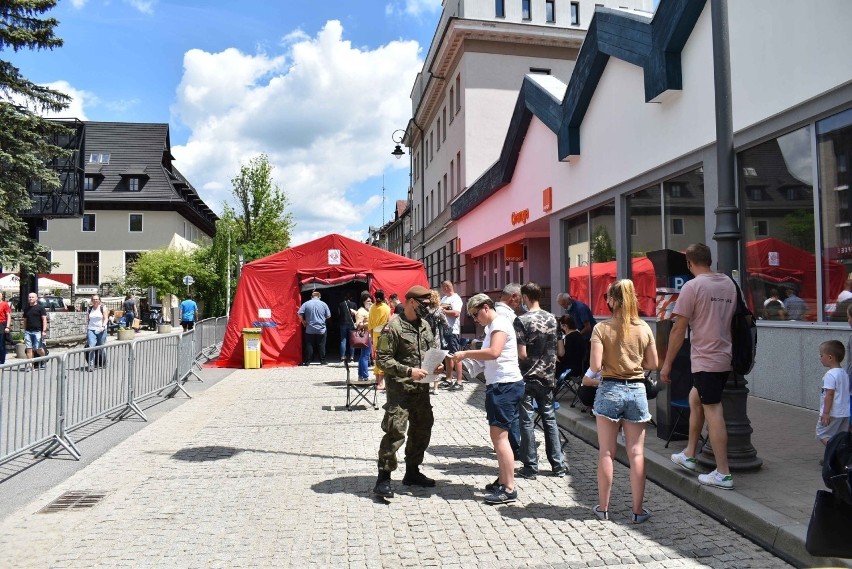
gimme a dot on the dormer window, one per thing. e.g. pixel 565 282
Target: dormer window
pixel 98 158
pixel 133 184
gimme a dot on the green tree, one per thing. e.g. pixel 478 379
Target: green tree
pixel 164 270
pixel 602 248
pixel 800 229
pixel 217 260
pixel 263 226
pixel 25 151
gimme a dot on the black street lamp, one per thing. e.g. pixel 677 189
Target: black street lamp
pixel 398 151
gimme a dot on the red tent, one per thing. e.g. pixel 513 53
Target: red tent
pixel 269 292
pixel 603 274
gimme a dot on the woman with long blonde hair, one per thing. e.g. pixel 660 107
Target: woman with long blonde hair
pixel 622 348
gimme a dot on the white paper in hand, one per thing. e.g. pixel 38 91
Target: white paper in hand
pixel 431 360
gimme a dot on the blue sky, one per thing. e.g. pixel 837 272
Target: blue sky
pixel 318 86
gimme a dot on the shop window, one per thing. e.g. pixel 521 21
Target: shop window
pixel 687 206
pixel 646 220
pixel 577 247
pixel 834 152
pixel 787 259
pixel 601 254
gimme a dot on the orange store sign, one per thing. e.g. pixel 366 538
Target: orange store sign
pixel 520 216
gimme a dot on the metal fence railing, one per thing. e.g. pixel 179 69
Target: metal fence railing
pixel 43 400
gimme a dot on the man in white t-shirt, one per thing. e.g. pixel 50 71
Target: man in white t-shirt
pixel 706 304
pixel 452 305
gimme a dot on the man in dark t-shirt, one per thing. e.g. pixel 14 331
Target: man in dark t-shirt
pixel 35 326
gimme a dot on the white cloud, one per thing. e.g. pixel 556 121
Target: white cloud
pixel 78 3
pixel 323 112
pixel 79 99
pixel 144 6
pixel 414 8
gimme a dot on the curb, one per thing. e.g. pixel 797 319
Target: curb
pixel 776 532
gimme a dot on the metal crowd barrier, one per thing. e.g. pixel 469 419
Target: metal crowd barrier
pixel 42 400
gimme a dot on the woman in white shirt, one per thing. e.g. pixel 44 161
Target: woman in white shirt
pixel 96 330
pixel 504 389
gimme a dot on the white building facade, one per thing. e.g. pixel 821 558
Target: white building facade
pixel 462 103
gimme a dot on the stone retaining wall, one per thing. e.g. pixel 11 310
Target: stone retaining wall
pixel 65 327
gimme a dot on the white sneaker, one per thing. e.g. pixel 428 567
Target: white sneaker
pixel 684 461
pixel 723 481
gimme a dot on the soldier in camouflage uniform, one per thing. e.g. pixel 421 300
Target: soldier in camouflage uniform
pixel 536 331
pixel 399 352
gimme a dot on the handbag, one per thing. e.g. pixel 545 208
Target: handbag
pixel 652 385
pixel 359 338
pixel 826 536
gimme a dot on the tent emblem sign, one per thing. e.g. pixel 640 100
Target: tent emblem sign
pixel 334 256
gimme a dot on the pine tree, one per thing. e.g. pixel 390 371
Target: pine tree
pixel 25 150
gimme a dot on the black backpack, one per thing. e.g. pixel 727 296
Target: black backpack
pixel 743 336
pixel 837 466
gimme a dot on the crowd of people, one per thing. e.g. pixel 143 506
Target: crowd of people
pixel 525 348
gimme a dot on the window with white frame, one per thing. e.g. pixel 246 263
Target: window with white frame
pixel 135 223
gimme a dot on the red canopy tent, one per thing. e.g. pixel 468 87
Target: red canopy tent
pixel 269 292
pixel 603 274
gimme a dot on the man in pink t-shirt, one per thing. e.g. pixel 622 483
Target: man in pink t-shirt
pixel 706 304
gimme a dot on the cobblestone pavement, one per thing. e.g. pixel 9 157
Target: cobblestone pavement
pixel 267 469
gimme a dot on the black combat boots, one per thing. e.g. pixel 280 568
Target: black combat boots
pixel 383 485
pixel 413 477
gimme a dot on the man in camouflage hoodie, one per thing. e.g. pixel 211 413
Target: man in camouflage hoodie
pixel 536 330
pixel 399 352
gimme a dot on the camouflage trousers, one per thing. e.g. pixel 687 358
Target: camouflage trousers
pixel 405 409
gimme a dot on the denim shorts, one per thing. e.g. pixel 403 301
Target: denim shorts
pixel 452 341
pixel 501 403
pixel 32 340
pixel 618 400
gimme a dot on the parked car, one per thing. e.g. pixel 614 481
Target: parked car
pixel 51 303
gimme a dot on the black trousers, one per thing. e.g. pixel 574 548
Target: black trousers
pixel 312 343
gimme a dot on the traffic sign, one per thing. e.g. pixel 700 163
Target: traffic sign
pixel 188 280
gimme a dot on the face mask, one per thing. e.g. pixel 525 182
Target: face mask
pixel 368 304
pixel 422 309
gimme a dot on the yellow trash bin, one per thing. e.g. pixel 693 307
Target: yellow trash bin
pixel 251 348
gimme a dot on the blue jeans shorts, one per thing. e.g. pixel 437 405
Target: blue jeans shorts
pixel 32 340
pixel 501 403
pixel 617 400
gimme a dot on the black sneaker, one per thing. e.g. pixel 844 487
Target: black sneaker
pixel 501 496
pixel 527 473
pixel 417 478
pixel 456 387
pixel 490 487
pixel 383 489
pixel 560 472
pixel 445 384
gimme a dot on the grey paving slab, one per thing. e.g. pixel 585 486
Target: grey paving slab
pixel 265 469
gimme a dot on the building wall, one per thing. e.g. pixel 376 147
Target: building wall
pixel 112 238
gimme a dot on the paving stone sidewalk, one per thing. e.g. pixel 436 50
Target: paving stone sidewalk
pixel 266 469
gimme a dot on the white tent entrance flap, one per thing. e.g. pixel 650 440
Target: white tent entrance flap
pixel 317 283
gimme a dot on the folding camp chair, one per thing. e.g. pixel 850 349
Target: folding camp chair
pixel 682 406
pixel 361 388
pixel 566 383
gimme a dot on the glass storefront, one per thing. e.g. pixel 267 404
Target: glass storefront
pixel 834 154
pixel 591 250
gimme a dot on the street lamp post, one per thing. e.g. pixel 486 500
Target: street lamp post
pixel 741 454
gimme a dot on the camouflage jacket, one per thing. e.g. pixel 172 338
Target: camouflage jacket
pixel 400 348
